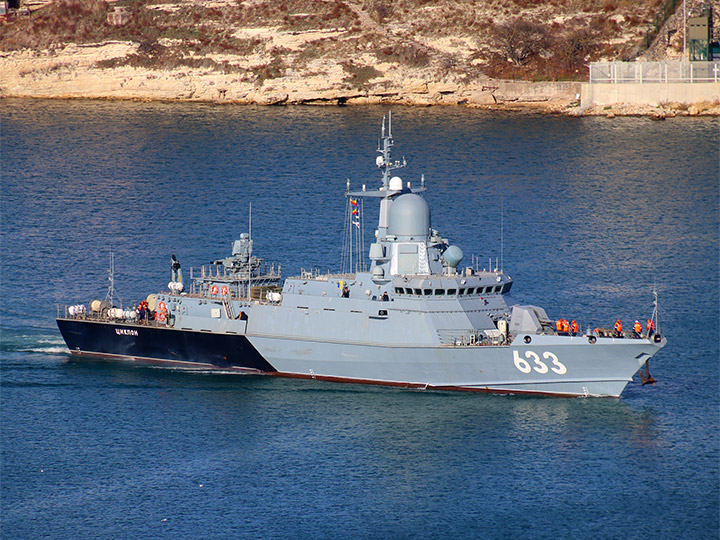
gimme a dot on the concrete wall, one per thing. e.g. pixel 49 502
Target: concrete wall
pixel 498 91
pixel 530 91
pixel 647 93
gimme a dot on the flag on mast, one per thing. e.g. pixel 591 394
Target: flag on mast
pixel 356 218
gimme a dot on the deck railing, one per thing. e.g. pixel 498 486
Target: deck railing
pixel 217 272
pixel 654 72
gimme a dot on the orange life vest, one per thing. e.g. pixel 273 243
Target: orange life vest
pixel 618 326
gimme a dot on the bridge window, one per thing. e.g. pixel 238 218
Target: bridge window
pixel 439 292
pixel 408 291
pixel 427 292
pixel 398 290
pixel 461 292
pixel 417 291
pixel 451 292
pixel 506 287
pixel 498 288
pixel 471 290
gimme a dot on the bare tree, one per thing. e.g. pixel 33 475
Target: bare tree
pixel 519 40
pixel 570 49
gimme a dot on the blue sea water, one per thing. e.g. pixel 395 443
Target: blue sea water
pixel 594 212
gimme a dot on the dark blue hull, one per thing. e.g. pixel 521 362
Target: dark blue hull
pixel 159 344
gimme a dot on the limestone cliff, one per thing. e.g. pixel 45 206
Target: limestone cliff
pixel 319 51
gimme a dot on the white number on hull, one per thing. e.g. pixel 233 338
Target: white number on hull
pixel 521 363
pixel 559 368
pixel 540 366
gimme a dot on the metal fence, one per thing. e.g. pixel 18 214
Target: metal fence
pixel 654 72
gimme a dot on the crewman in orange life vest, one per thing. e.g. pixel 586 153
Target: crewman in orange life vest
pixel 650 327
pixel 637 327
pixel 573 328
pixel 618 328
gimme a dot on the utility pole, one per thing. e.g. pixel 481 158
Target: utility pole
pixel 684 30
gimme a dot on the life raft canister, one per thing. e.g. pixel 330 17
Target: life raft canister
pixel 223 290
pixel 214 290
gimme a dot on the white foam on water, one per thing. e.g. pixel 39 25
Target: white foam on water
pixel 201 371
pixel 46 350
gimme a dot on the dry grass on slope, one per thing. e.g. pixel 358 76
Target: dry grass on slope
pixel 449 39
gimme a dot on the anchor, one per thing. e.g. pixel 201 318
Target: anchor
pixel 646 378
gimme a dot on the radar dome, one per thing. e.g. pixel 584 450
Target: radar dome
pixel 409 216
pixel 452 256
pixel 395 183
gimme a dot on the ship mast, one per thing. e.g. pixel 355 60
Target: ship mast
pixel 390 186
pixel 385 162
pixel 110 296
pixel 249 271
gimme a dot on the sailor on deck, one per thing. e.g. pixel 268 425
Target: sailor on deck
pixel 650 327
pixel 618 328
pixel 573 328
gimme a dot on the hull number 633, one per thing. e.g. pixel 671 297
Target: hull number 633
pixel 532 361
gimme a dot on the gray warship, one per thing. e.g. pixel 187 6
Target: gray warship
pixel 412 318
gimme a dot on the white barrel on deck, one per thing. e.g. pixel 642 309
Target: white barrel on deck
pixel 115 313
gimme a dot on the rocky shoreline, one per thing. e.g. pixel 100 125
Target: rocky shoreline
pixel 78 71
pixel 339 52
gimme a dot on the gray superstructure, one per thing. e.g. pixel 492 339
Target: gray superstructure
pixel 415 318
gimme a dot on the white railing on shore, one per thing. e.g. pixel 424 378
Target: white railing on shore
pixel 654 72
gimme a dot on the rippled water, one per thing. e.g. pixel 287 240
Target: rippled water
pixel 595 212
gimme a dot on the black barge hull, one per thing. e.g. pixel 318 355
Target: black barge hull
pixel 161 344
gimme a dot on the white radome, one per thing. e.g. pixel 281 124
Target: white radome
pixel 396 183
